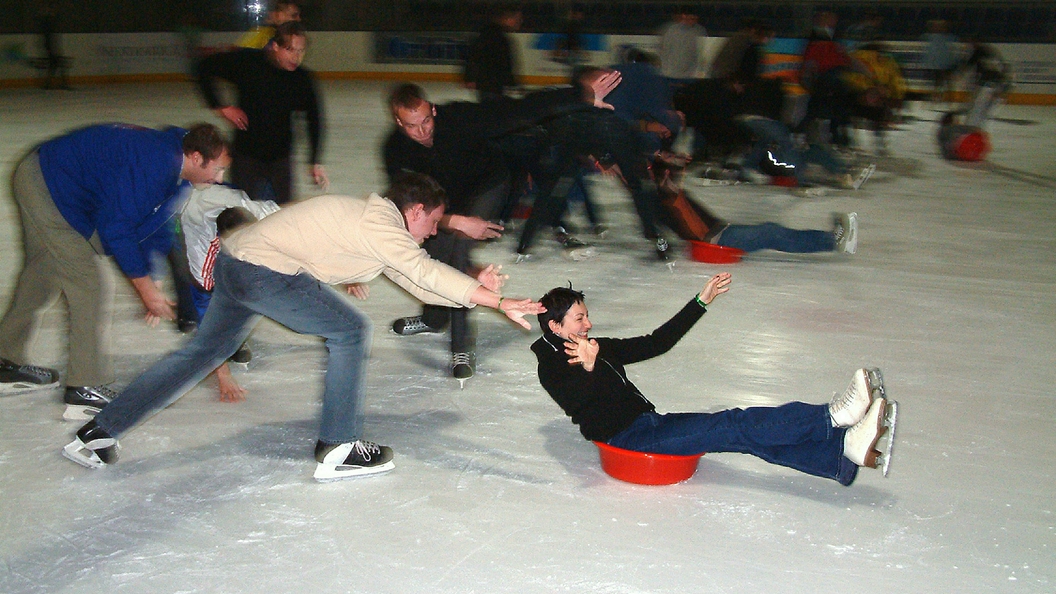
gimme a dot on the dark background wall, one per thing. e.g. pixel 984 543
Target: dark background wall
pixel 1022 22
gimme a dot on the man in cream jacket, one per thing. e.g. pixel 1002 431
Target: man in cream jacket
pixel 282 267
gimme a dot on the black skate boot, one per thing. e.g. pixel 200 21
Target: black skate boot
pixel 462 365
pixel 84 402
pixel 22 378
pixel 347 460
pixel 412 325
pixel 93 447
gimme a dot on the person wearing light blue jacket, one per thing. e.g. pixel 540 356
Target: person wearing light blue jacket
pixel 108 189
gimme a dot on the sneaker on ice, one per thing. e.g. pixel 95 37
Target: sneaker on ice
pixel 462 367
pixel 19 378
pixel 351 459
pixel 411 325
pixel 84 402
pixel 846 232
pixel 92 448
pixel 848 408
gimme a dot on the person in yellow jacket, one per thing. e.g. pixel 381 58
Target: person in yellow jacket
pixel 282 12
pixel 876 80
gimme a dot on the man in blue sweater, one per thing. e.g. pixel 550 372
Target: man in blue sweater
pixel 102 190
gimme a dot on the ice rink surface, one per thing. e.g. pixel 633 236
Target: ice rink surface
pixel 951 294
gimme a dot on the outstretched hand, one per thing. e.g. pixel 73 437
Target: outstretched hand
pixel 492 278
pixel 516 309
pixel 602 82
pixel 581 351
pixel 716 285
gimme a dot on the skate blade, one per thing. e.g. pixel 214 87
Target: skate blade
pixel 876 382
pixel 335 472
pixel 80 412
pixel 23 387
pixel 75 451
pixel 461 382
pixel 864 175
pixel 890 421
pixel 579 254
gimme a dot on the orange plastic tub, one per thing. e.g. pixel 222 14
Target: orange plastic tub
pixel 711 253
pixel 646 469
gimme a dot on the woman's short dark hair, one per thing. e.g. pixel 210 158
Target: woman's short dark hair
pixel 410 188
pixel 205 139
pixel 557 302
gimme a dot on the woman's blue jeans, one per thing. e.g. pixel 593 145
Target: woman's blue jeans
pixel 771 236
pixel 796 435
pixel 243 293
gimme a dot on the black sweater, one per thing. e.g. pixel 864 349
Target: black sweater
pixel 269 95
pixel 463 157
pixel 603 402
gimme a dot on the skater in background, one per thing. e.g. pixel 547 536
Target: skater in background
pixel 259 37
pixel 940 59
pixel 681 41
pixel 271 85
pixel 210 214
pixel 989 78
pixel 491 63
pixel 586 377
pixel 282 267
pixel 102 190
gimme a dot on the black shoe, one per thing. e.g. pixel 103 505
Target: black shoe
pixel 242 355
pixel 411 325
pixel 186 326
pixel 663 249
pixel 93 448
pixel 462 367
pixel 17 378
pixel 345 460
pixel 84 402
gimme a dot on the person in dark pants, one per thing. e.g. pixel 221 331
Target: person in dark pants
pixel 491 64
pixel 586 377
pixel 272 85
pixel 453 144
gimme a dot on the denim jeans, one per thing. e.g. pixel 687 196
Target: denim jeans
pixel 771 236
pixel 796 435
pixel 243 293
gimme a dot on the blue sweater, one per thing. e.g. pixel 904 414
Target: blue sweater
pixel 121 181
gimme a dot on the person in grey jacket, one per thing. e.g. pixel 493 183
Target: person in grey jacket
pixel 282 267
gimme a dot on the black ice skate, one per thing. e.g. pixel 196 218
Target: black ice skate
pixel 84 402
pixel 412 325
pixel 462 365
pixel 93 447
pixel 347 460
pixel 23 378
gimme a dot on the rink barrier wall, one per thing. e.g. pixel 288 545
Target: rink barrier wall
pixel 435 57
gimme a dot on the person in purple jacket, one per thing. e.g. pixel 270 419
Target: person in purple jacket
pixel 110 190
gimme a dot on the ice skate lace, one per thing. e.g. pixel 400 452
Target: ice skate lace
pixel 849 396
pixel 366 449
pixel 40 372
pixel 414 324
pixel 459 359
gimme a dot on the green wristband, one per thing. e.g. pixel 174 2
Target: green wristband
pixel 499 305
pixel 701 303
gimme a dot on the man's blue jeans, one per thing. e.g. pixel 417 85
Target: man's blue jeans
pixel 771 236
pixel 243 293
pixel 796 435
pixel 774 136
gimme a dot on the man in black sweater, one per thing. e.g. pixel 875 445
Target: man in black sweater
pixel 586 377
pixel 454 144
pixel 271 85
pixel 490 60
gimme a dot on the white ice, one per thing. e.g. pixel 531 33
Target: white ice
pixel 951 294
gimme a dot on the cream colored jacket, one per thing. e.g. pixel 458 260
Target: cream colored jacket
pixel 341 239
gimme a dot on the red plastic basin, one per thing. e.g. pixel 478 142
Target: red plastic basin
pixel 646 469
pixel 711 253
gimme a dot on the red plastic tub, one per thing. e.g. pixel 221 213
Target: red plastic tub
pixel 646 469
pixel 711 253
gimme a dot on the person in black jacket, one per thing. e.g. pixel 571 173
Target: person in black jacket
pixel 586 377
pixel 454 144
pixel 271 85
pixel 491 64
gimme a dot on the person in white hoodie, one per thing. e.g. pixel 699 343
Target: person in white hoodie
pixel 199 225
